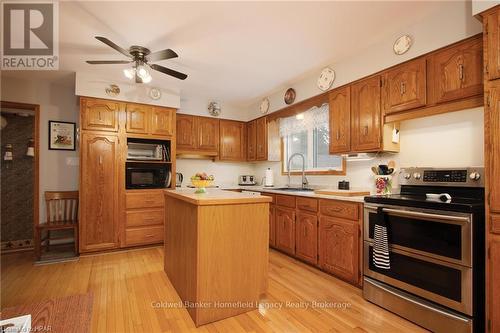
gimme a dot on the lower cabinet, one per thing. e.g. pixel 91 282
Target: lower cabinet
pixel 272 226
pixel 306 237
pixel 285 229
pixel 339 247
pixel 494 285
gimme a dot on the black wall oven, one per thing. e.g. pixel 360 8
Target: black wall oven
pixel 146 175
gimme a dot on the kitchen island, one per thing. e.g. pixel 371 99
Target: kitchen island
pixel 216 251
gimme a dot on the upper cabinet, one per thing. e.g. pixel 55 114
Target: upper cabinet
pixel 197 135
pixel 457 71
pixel 339 101
pixel 232 141
pixel 492 29
pixel 138 118
pixel 493 146
pixel 261 139
pixel 366 115
pixel 99 114
pixel 162 121
pixel 186 132
pixel 404 86
pixel 251 141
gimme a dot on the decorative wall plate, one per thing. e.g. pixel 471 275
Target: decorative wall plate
pixel 214 109
pixel 264 105
pixel 402 44
pixel 290 96
pixel 113 90
pixel 154 93
pixel 326 78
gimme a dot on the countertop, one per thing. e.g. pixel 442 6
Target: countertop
pixel 309 194
pixel 215 196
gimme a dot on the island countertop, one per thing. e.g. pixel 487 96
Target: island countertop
pixel 216 197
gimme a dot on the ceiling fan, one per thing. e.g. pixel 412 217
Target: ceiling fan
pixel 140 57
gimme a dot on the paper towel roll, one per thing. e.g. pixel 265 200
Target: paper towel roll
pixel 269 178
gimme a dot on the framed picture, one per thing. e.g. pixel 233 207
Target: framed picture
pixel 62 135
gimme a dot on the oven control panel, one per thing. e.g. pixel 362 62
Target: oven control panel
pixel 471 177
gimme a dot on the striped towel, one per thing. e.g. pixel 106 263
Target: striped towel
pixel 381 242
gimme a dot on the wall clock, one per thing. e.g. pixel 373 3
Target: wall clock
pixel 326 78
pixel 264 105
pixel 290 96
pixel 402 44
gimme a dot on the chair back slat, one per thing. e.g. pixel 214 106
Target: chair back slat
pixel 62 207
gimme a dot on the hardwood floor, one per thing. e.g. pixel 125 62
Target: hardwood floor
pixel 129 289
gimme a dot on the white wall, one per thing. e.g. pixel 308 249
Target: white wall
pixel 199 107
pixel 226 174
pixel 479 6
pixel 57 102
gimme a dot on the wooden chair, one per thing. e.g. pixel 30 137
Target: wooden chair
pixel 62 214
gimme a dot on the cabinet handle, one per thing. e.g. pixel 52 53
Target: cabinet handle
pixel 365 130
pixel 100 159
pixel 336 209
pixel 461 72
pixel 401 88
pixel 404 88
pixel 338 135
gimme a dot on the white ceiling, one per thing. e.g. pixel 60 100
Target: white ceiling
pixel 232 51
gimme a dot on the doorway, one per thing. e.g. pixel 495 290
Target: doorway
pixel 19 175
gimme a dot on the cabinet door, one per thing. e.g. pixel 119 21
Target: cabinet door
pixel 98 192
pixel 272 226
pixel 492 22
pixel 340 120
pixel 251 141
pixel 232 141
pixel 208 134
pixel 138 118
pixel 404 87
pixel 99 114
pixel 186 132
pixel 493 148
pixel 366 115
pixel 458 71
pixel 493 288
pixel 261 139
pixel 162 121
pixel 338 247
pixel 306 237
pixel 285 230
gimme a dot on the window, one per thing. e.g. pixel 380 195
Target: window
pixel 308 134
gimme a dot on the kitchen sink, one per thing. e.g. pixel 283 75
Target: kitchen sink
pixel 294 189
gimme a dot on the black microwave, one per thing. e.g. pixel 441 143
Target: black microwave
pixel 147 175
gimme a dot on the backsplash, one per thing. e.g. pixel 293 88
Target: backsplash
pixel 225 173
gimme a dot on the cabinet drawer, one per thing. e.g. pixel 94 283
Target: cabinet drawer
pixel 146 235
pixel 272 196
pixel 495 224
pixel 308 204
pixel 285 200
pixel 139 218
pixel 144 200
pixel 346 210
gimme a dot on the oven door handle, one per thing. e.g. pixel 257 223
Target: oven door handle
pixel 409 213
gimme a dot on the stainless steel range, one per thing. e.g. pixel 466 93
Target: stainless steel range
pixel 435 234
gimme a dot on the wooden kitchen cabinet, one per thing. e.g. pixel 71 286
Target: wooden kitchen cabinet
pixel 261 139
pixel 99 114
pixel 339 247
pixel 285 229
pixel 208 134
pixel 162 121
pixel 251 141
pixel 493 271
pixel 138 118
pixel 492 30
pixel 272 226
pixel 340 120
pixel 306 237
pixel 457 71
pixel 99 192
pixel 493 148
pixel 366 117
pixel 404 87
pixel 232 141
pixel 186 132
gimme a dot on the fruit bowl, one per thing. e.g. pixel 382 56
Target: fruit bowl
pixel 201 185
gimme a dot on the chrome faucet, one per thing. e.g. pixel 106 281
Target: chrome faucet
pixel 304 179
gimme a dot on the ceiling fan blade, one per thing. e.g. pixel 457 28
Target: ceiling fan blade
pixel 108 62
pixel 162 55
pixel 113 45
pixel 168 71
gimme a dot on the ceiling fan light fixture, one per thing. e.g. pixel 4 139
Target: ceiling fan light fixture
pixel 142 72
pixel 147 78
pixel 129 73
